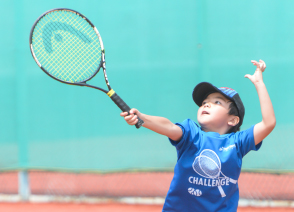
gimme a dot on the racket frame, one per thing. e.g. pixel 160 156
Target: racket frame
pixel 102 62
pixel 111 93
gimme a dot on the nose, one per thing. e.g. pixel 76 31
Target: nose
pixel 207 104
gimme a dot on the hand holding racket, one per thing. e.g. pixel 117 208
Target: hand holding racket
pixel 132 117
pixel 69 48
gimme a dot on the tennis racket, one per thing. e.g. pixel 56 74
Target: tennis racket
pixel 69 48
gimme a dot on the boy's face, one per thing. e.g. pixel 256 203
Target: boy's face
pixel 213 114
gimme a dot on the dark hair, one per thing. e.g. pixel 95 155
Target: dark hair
pixel 234 111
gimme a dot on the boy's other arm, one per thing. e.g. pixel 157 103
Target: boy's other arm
pixel 157 124
pixel 263 128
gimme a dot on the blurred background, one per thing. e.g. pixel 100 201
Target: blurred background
pixel 70 142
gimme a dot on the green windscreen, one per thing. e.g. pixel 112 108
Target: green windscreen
pixel 156 52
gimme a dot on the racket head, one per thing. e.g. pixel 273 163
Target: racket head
pixel 67 46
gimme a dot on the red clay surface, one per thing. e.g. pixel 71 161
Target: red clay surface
pixel 152 184
pixel 252 186
pixel 60 207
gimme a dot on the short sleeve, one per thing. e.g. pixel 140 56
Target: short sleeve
pixel 245 141
pixel 190 134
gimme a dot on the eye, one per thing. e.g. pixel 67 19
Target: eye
pixel 218 102
pixel 203 103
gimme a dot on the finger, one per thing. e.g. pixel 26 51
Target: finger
pixel 133 118
pixel 134 122
pixel 129 117
pixel 261 62
pixel 248 76
pixel 123 113
pixel 133 110
pixel 264 65
pixel 254 61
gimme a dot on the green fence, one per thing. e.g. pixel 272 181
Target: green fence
pixel 156 52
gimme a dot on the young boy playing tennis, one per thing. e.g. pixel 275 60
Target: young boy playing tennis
pixel 210 155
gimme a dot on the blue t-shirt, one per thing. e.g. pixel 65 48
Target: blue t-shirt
pixel 207 170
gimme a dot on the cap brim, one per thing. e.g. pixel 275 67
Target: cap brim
pixel 202 90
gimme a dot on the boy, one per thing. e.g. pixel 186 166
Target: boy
pixel 210 156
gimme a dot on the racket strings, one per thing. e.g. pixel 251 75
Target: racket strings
pixel 67 46
pixel 68 72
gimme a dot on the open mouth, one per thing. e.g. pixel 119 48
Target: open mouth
pixel 205 112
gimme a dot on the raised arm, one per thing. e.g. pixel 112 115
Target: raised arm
pixel 157 124
pixel 263 128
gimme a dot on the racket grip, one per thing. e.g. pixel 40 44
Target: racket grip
pixel 125 108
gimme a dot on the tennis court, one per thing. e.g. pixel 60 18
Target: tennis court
pixel 66 148
pixel 119 191
pixel 61 207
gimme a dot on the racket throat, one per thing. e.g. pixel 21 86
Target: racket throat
pixel 90 86
pixel 110 93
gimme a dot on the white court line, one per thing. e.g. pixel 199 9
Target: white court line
pixel 133 200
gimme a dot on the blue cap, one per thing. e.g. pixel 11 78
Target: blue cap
pixel 203 89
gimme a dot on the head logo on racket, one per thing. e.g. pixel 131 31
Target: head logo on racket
pixel 208 165
pixel 61 28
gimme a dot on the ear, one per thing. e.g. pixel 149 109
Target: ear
pixel 233 120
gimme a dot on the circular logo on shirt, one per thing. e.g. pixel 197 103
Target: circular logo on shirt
pixel 195 192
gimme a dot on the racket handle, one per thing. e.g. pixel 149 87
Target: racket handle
pixel 125 108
